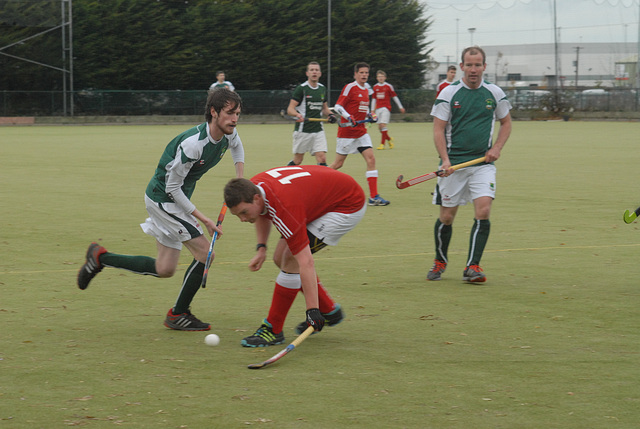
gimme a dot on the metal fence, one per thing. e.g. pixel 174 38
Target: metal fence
pixel 122 103
pixel 584 100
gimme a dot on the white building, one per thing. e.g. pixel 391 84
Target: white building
pixel 523 66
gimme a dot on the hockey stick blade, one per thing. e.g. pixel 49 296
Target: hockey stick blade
pixel 629 217
pixel 295 343
pixel 207 264
pixel 349 124
pixel 402 185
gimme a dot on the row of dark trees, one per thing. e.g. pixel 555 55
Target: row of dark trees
pixel 171 44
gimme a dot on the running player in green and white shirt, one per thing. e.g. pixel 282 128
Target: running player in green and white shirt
pixel 464 116
pixel 173 219
pixel 221 82
pixel 309 100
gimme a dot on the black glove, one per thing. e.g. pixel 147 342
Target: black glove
pixel 332 119
pixel 315 319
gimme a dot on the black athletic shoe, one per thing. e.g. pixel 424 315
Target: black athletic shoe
pixel 91 266
pixel 185 322
pixel 263 337
pixel 331 319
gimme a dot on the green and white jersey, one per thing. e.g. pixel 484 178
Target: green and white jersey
pixel 470 115
pixel 183 162
pixel 224 84
pixel 311 100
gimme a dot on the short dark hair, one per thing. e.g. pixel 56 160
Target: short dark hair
pixel 219 72
pixel 358 66
pixel 239 190
pixel 218 99
pixel 313 63
pixel 474 50
pixel 452 68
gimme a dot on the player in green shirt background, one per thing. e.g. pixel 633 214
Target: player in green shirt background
pixel 221 82
pixel 309 100
pixel 174 220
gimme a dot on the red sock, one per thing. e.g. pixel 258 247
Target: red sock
pixel 326 304
pixel 385 136
pixel 373 186
pixel 281 302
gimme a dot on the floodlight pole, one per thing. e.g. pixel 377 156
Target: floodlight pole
pixel 555 39
pixel 71 56
pixel 64 59
pixel 67 49
pixel 577 63
pixel 471 31
pixel 329 53
pixel 638 58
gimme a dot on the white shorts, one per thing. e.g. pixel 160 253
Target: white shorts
pixel 348 146
pixel 332 226
pixel 465 185
pixel 384 115
pixel 309 142
pixel 169 224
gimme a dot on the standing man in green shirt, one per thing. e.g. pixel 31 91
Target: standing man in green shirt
pixel 174 220
pixel 464 115
pixel 309 100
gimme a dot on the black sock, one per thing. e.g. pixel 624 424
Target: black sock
pixel 144 265
pixel 478 240
pixel 190 286
pixel 442 234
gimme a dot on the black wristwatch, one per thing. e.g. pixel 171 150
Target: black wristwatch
pixel 259 245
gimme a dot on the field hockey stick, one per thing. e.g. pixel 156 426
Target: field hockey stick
pixel 207 264
pixel 630 217
pixel 353 124
pixel 295 343
pixel 295 119
pixel 401 185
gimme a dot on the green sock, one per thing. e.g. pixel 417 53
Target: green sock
pixel 144 265
pixel 190 286
pixel 442 234
pixel 478 240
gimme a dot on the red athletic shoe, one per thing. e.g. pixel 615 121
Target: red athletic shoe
pixel 473 274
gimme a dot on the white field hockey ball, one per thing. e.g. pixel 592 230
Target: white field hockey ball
pixel 212 340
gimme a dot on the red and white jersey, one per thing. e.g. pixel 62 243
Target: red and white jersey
pixel 297 195
pixel 355 100
pixel 442 85
pixel 383 93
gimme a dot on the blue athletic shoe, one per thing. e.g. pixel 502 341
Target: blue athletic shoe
pixel 378 201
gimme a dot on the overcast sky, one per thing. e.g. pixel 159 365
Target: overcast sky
pixel 512 22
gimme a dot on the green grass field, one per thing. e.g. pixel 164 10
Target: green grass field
pixel 550 341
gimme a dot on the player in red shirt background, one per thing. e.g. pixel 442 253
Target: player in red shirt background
pixel 353 106
pixel 383 93
pixel 451 77
pixel 311 207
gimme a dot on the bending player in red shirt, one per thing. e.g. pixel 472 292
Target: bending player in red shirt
pixel 311 207
pixel 353 106
pixel 383 93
